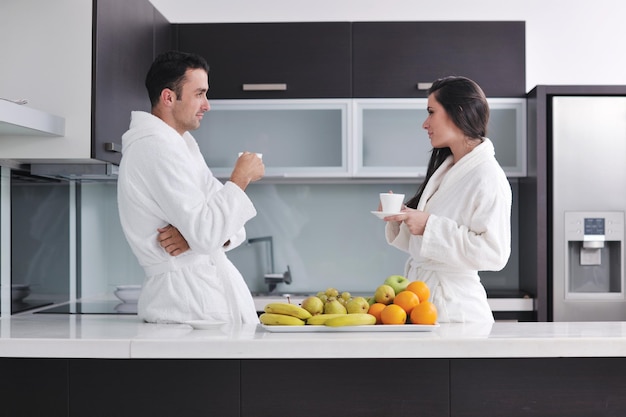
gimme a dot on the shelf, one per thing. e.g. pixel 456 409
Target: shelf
pixel 19 120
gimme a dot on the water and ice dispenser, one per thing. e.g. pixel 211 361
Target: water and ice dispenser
pixel 594 261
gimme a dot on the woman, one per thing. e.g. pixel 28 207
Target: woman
pixel 459 221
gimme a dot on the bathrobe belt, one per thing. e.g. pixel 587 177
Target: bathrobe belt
pixel 176 263
pixel 444 287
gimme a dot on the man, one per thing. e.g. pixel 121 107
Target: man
pixel 165 189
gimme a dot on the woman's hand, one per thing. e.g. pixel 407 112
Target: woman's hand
pixel 414 219
pixel 171 240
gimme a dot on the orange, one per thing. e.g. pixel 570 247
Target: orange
pixel 375 310
pixel 393 314
pixel 421 289
pixel 424 313
pixel 407 300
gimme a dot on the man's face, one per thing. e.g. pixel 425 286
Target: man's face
pixel 190 106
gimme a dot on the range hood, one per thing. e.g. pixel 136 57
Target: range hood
pixel 76 171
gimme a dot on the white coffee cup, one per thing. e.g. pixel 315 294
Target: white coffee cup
pixel 259 155
pixel 391 202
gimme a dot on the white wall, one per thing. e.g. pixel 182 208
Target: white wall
pixel 567 42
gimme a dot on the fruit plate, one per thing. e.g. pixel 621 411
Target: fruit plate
pixel 363 328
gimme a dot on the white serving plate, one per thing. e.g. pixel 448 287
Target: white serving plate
pixel 365 328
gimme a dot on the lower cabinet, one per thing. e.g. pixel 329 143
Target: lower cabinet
pixel 546 387
pixel 154 387
pixel 313 387
pixel 33 387
pixel 345 387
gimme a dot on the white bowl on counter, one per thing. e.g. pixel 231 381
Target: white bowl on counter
pixel 19 292
pixel 128 293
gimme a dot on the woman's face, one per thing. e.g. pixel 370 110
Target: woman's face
pixel 442 131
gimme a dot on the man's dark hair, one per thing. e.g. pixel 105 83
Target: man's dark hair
pixel 168 71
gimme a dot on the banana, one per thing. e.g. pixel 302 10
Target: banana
pixel 320 319
pixel 354 319
pixel 287 309
pixel 273 319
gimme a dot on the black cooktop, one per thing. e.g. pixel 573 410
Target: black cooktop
pixel 92 307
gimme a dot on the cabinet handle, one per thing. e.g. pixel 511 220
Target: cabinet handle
pixel 424 86
pixel 113 147
pixel 264 87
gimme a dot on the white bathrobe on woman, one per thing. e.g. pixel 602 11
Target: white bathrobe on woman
pixel 468 230
pixel 163 179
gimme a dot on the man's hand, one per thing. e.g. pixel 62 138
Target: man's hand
pixel 171 240
pixel 248 168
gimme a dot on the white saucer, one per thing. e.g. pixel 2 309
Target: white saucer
pixel 382 214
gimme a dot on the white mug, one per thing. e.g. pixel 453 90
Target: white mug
pixel 259 155
pixel 391 202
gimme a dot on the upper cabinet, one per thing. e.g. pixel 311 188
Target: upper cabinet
pixel 360 59
pixel 272 60
pixel 401 59
pixel 383 126
pixel 93 77
pixel 298 138
pixel 127 37
pixel 324 100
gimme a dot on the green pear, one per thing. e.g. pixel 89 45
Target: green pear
pixel 384 294
pixel 334 307
pixel 357 305
pixel 313 305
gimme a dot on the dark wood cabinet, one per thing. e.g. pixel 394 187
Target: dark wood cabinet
pixel 356 59
pixel 272 60
pixel 127 35
pixel 345 387
pixel 34 387
pixel 538 387
pixel 390 59
pixel 154 387
pixel 457 387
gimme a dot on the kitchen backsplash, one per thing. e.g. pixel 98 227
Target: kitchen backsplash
pixel 40 240
pixel 325 233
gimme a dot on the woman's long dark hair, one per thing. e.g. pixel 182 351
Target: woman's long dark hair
pixel 466 104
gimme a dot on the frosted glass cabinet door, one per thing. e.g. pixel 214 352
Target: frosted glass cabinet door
pixel 507 131
pixel 298 138
pixel 390 140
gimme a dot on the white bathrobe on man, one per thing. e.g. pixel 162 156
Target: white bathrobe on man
pixel 468 230
pixel 163 179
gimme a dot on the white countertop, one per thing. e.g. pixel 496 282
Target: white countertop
pixel 125 336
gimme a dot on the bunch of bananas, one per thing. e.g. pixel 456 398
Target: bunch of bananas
pixel 338 320
pixel 285 314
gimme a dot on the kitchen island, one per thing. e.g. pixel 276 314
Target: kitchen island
pixel 73 362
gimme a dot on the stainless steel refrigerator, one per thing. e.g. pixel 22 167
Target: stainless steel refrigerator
pixel 586 185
